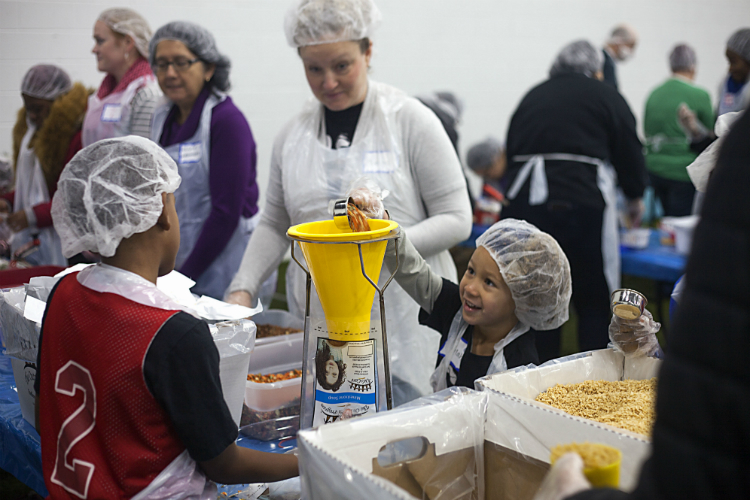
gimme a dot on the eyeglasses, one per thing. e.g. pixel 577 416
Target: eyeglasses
pixel 180 65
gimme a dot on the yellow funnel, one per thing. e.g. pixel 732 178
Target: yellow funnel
pixel 346 296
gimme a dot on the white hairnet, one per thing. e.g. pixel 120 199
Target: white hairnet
pixel 128 22
pixel 535 269
pixel 682 58
pixel 578 57
pixel 313 22
pixel 739 43
pixel 200 42
pixel 623 33
pixel 109 191
pixel 46 81
pixel 482 155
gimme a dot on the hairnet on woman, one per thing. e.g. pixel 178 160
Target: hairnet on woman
pixel 356 126
pixel 569 139
pixel 46 135
pixel 208 136
pixel 127 96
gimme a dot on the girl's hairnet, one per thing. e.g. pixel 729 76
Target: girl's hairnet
pixel 482 155
pixel 578 57
pixel 109 191
pixel 739 43
pixel 46 81
pixel 128 22
pixel 200 42
pixel 535 269
pixel 314 22
pixel 682 58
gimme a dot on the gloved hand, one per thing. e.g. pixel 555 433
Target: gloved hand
pixel 636 208
pixel 635 337
pixel 688 120
pixel 414 274
pixel 564 479
pixel 368 197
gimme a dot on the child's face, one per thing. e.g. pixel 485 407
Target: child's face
pixel 485 298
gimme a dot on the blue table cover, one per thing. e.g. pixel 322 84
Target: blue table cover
pixel 20 447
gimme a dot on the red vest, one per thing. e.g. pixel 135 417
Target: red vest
pixel 103 433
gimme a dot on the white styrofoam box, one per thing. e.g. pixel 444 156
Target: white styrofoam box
pixel 276 357
pixel 279 317
pixel 533 428
pixel 336 460
pixel 25 375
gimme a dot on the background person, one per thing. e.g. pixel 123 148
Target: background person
pixel 209 138
pixel 668 150
pixel 357 127
pixel 564 139
pixel 46 136
pixel 734 94
pixel 487 159
pixel 127 96
pixel 619 48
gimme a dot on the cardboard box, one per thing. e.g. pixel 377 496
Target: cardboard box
pixel 534 428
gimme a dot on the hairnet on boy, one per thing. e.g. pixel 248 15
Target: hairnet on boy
pixel 535 269
pixel 128 22
pixel 578 57
pixel 46 81
pixel 109 191
pixel 200 42
pixel 314 22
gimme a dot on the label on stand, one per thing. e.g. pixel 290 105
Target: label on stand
pixel 345 380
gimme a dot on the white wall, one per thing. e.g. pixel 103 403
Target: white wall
pixel 490 52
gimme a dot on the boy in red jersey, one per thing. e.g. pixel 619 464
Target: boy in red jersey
pixel 130 400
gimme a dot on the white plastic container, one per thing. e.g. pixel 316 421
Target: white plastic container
pixel 683 232
pixel 635 238
pixel 280 356
pixel 278 317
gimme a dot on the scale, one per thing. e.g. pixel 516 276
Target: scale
pixel 345 370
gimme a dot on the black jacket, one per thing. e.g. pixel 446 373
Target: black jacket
pixel 572 113
pixel 701 439
pixel 609 69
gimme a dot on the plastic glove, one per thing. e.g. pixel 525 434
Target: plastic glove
pixel 564 479
pixel 635 337
pixel 240 297
pixel 414 274
pixel 368 197
pixel 636 208
pixel 689 122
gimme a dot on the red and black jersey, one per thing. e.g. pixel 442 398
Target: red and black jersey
pixel 103 433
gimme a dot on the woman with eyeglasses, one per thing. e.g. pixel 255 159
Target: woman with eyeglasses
pixel 210 139
pixel 127 96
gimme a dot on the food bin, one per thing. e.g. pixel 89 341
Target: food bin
pixel 281 318
pixel 272 409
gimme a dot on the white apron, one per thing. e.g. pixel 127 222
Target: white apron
pixel 313 174
pixel 454 348
pixel 605 180
pixel 31 190
pixel 182 479
pixel 110 117
pixel 193 202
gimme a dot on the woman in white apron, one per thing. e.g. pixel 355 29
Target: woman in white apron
pixel 210 139
pixel 358 127
pixel 126 98
pixel 45 137
pixel 563 142
pixel 734 94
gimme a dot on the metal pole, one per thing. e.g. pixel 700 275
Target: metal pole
pixel 306 340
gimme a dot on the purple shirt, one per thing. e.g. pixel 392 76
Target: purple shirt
pixel 232 173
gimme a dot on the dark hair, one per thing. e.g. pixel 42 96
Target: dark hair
pixel 321 358
pixel 364 44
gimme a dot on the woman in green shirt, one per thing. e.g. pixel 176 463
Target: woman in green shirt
pixel 667 144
